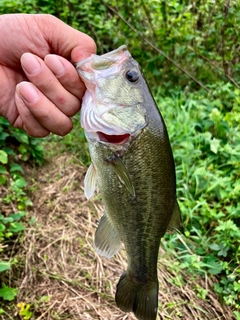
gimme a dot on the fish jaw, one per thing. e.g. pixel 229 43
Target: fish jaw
pixel 98 63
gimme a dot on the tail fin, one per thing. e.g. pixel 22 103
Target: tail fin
pixel 140 298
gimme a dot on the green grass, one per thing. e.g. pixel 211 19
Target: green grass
pixel 205 139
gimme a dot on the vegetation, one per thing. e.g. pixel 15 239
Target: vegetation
pixel 15 147
pixel 205 143
pixel 189 52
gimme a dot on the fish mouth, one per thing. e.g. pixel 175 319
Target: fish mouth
pixel 113 139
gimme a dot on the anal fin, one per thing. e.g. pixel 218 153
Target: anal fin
pixel 107 241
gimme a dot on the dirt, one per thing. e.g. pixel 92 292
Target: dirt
pixel 61 275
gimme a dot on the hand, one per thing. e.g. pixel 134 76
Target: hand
pixel 39 87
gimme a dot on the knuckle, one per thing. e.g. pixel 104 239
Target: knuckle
pixel 68 105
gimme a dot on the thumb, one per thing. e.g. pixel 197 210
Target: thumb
pixel 67 41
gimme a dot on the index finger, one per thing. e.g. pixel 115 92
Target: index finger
pixel 66 74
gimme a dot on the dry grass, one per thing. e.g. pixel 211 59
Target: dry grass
pixel 63 278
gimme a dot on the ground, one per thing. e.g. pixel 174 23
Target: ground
pixel 63 278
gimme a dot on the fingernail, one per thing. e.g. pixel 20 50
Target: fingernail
pixel 27 92
pixel 55 64
pixel 30 63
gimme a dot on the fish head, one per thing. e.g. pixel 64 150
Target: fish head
pixel 113 106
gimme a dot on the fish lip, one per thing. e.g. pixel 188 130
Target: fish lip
pixel 114 55
pixel 113 139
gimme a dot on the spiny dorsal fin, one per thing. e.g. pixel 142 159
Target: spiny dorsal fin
pixel 122 173
pixel 107 242
pixel 176 220
pixel 90 181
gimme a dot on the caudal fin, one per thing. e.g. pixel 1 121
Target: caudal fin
pixel 142 299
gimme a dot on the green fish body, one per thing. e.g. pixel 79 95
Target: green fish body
pixel 133 168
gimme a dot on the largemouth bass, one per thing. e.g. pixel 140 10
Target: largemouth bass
pixel 133 168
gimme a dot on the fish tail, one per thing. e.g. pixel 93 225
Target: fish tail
pixel 140 298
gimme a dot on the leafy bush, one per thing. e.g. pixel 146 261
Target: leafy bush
pixel 15 147
pixel 206 147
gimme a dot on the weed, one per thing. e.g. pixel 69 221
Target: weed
pixel 24 310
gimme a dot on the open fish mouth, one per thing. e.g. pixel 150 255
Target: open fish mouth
pixel 113 139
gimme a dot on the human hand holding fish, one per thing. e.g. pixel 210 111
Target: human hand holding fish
pixel 133 167
pixel 40 89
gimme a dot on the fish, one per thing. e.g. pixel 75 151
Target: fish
pixel 132 167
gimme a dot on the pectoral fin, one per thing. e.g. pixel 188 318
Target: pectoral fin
pixel 176 220
pixel 107 241
pixel 90 182
pixel 122 173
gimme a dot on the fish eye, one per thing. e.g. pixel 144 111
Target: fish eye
pixel 132 76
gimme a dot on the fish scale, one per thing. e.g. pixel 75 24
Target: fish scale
pixel 135 176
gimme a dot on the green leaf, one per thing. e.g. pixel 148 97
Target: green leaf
pixel 3 135
pixel 3 157
pixel 16 227
pixel 28 202
pixel 9 151
pixel 5 220
pixel 214 247
pixel 21 136
pixel 18 215
pixel 3 170
pixel 2 311
pixel 214 145
pixel 237 314
pixel 3 179
pixel 236 286
pixel 8 293
pixel 20 183
pixel 16 167
pixel 4 122
pixel 4 265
